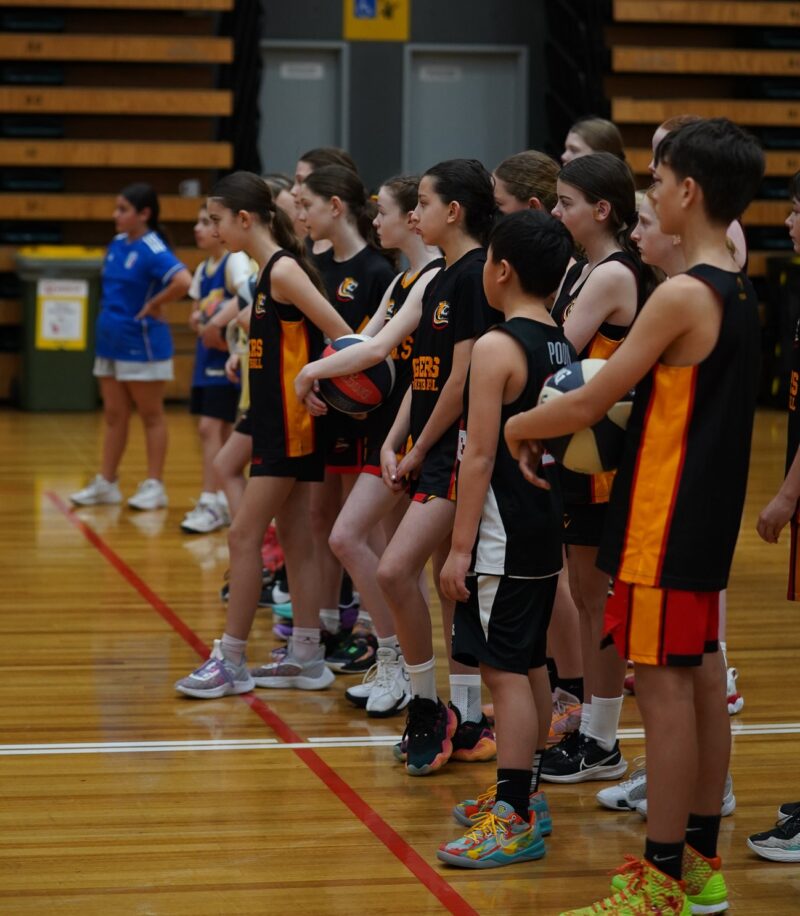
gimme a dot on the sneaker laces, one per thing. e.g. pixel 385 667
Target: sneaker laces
pixel 422 721
pixel 789 823
pixel 637 774
pixel 384 674
pixel 486 825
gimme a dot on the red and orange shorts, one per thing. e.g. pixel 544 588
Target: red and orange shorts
pixel 661 626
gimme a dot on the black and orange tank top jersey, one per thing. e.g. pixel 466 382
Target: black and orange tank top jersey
pixel 677 501
pixel 380 421
pixel 282 341
pixel 581 489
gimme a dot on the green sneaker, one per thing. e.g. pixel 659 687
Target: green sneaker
pixel 645 891
pixel 705 885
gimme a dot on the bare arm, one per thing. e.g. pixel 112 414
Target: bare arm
pixel 779 511
pixel 290 283
pixel 447 410
pixel 177 288
pixel 398 434
pixel 212 333
pixel 490 369
pixel 608 295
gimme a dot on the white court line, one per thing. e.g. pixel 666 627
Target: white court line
pixel 318 743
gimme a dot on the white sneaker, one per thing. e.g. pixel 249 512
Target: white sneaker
pixel 204 518
pixel 218 677
pixel 100 492
pixel 728 800
pixel 150 494
pixel 279 596
pixel 358 694
pixel 391 690
pixel 625 795
pixel 223 507
pixel 289 672
pixel 735 699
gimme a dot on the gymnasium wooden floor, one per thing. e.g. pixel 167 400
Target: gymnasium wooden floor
pixel 120 797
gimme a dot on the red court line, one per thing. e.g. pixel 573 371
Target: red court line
pixel 425 874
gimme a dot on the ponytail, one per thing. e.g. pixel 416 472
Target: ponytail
pixel 246 191
pixel 467 182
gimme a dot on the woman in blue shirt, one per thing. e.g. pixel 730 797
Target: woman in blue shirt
pixel 133 345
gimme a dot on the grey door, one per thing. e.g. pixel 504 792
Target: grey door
pixel 471 102
pixel 301 103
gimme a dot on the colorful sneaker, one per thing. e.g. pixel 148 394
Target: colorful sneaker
pixel 354 655
pixel 735 699
pixel 400 750
pixel 390 691
pixel 150 494
pixel 430 727
pixel 645 890
pixel 588 761
pixel 99 492
pixel 204 518
pixel 625 795
pixel 282 610
pixel 566 715
pixel 704 883
pixel 218 677
pixel 629 684
pixel 728 800
pixel 782 843
pixel 358 694
pixel 499 837
pixel 288 672
pixel 283 629
pixel 467 811
pixel 473 741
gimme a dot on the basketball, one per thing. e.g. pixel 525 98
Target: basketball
pixel 362 391
pixel 593 450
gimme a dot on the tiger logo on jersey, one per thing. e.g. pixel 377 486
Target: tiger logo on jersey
pixel 258 305
pixel 347 289
pixel 441 316
pixel 390 310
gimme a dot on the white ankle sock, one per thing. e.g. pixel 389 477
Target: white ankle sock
pixel 389 642
pixel 586 716
pixel 605 721
pixel 305 643
pixel 207 497
pixel 423 679
pixel 233 649
pixel 465 695
pixel 329 619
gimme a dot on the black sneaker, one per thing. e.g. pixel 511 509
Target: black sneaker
pixel 567 745
pixel 473 741
pixel 356 656
pixel 789 809
pixel 334 644
pixel 584 762
pixel 267 581
pixel 430 727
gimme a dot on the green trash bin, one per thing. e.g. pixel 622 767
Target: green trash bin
pixel 60 298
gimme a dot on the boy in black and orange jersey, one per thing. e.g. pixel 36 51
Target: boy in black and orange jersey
pixel 676 506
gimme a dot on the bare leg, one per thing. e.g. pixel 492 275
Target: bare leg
pixel 326 502
pixel 229 464
pixel 264 498
pixel 540 688
pixel 301 563
pixel 564 632
pixel 213 434
pixel 149 400
pixel 448 607
pixel 116 421
pixel 713 734
pixel 422 530
pixel 666 700
pixel 369 501
pixel 515 717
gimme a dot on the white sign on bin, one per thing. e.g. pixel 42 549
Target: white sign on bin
pixel 62 308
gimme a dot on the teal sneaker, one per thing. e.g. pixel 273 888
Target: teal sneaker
pixel 467 811
pixel 500 837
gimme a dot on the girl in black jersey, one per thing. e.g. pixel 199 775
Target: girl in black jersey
pixel 289 317
pixel 596 304
pixel 455 210
pixel 334 205
pixel 370 504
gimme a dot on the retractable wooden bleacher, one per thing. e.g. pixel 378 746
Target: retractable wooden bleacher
pixel 738 59
pixel 95 95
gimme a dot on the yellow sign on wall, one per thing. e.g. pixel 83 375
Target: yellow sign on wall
pixel 377 20
pixel 62 309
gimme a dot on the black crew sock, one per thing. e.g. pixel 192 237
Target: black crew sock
pixel 573 685
pixel 552 673
pixel 702 832
pixel 666 857
pixel 536 772
pixel 513 788
pixel 346 591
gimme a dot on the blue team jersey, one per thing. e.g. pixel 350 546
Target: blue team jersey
pixel 209 363
pixel 134 272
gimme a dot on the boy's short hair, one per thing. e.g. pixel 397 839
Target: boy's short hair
pixel 725 161
pixel 536 245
